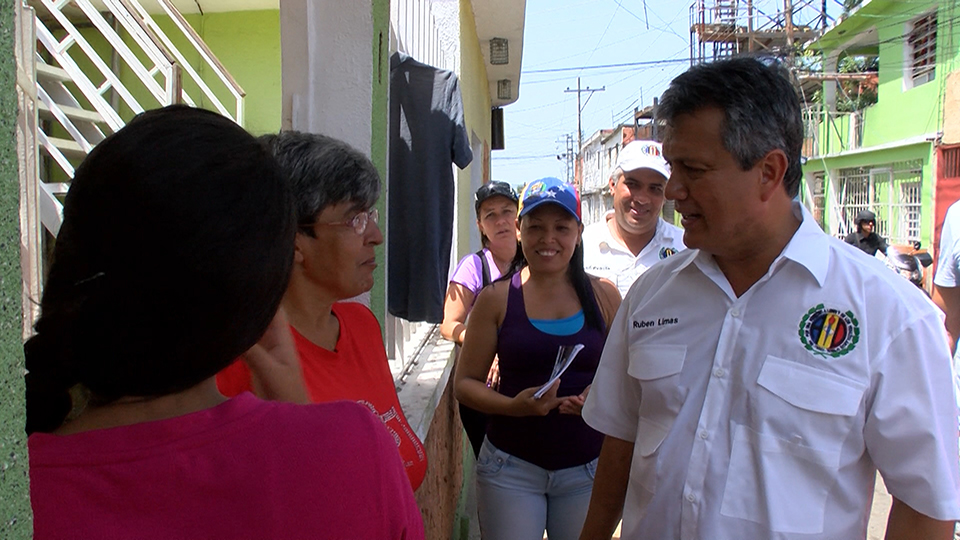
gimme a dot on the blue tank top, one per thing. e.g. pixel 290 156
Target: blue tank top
pixel 555 441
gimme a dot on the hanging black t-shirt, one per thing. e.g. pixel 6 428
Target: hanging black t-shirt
pixel 427 134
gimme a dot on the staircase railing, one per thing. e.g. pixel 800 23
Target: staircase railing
pixel 83 70
pixel 85 94
pixel 209 60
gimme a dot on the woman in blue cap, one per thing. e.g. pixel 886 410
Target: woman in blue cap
pixel 536 466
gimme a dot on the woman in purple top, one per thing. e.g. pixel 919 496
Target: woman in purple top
pixel 496 205
pixel 536 466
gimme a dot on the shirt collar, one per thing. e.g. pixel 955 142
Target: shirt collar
pixel 809 247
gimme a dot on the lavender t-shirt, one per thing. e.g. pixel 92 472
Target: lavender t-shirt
pixel 469 272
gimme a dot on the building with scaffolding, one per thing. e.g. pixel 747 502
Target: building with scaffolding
pixel 724 28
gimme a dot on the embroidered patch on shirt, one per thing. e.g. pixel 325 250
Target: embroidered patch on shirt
pixel 829 332
pixel 667 251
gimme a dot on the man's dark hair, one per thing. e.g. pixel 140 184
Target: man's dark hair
pixel 175 251
pixel 760 105
pixel 323 171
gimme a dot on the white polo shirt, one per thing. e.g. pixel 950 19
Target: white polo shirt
pixel 766 416
pixel 604 256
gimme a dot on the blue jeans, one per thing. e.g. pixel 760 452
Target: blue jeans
pixel 518 500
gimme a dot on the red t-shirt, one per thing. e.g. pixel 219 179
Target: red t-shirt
pixel 357 371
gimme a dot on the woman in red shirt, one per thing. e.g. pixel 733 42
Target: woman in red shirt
pixel 341 350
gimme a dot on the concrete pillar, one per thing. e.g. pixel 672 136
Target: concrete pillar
pixel 830 87
pixel 335 72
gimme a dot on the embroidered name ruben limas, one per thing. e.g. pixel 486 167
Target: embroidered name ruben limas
pixel 659 322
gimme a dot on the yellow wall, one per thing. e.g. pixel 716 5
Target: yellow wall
pixel 476 109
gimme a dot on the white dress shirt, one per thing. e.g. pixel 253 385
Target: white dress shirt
pixel 604 256
pixel 767 416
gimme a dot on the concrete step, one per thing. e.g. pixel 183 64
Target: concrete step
pixel 73 113
pixel 46 72
pixel 69 147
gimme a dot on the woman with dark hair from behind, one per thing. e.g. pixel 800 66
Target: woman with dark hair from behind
pixel 537 463
pixel 173 256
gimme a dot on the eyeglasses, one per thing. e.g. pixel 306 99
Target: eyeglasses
pixel 359 222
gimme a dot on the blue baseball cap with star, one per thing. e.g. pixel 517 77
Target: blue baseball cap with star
pixel 549 191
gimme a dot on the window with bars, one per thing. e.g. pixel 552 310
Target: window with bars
pixel 950 163
pixel 891 191
pixel 922 50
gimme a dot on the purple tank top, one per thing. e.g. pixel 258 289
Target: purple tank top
pixel 527 355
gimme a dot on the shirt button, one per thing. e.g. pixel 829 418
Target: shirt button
pixel 691 497
pixel 719 372
pixel 704 434
pixel 735 312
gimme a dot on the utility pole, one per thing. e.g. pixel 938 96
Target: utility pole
pixel 580 107
pixel 567 156
pixel 788 18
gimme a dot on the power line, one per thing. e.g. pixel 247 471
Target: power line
pixel 608 66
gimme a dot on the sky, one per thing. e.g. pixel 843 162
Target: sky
pixel 562 40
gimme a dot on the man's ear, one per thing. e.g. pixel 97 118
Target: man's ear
pixel 772 168
pixel 613 184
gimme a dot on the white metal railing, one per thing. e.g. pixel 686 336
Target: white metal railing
pixel 892 191
pixel 86 92
pixel 83 68
pixel 417 32
pixel 206 55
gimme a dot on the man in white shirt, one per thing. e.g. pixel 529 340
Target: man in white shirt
pixel 779 369
pixel 632 237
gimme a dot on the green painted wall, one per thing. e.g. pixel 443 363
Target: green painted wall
pixel 15 515
pixel 247 43
pixel 379 116
pixel 901 111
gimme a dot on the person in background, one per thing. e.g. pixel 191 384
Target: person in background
pixel 946 290
pixel 535 468
pixel 341 349
pixel 864 237
pixel 175 250
pixel 749 388
pixel 632 236
pixel 496 207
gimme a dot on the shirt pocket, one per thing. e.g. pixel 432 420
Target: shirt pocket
pixel 657 368
pixel 783 465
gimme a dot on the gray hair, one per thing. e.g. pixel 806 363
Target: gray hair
pixel 323 171
pixel 760 105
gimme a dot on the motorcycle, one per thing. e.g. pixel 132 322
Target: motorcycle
pixel 909 262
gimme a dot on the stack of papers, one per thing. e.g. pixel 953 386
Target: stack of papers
pixel 565 357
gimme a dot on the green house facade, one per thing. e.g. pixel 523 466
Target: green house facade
pixel 882 157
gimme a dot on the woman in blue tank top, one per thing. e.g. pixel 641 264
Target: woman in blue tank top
pixel 536 465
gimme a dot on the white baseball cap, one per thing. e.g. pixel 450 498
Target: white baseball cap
pixel 643 155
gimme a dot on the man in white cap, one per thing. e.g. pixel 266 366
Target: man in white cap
pixel 632 236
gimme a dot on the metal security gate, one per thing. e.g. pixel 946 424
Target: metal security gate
pixel 892 191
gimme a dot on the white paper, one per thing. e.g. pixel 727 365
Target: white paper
pixel 565 357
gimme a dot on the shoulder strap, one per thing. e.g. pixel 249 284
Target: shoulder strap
pixel 486 267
